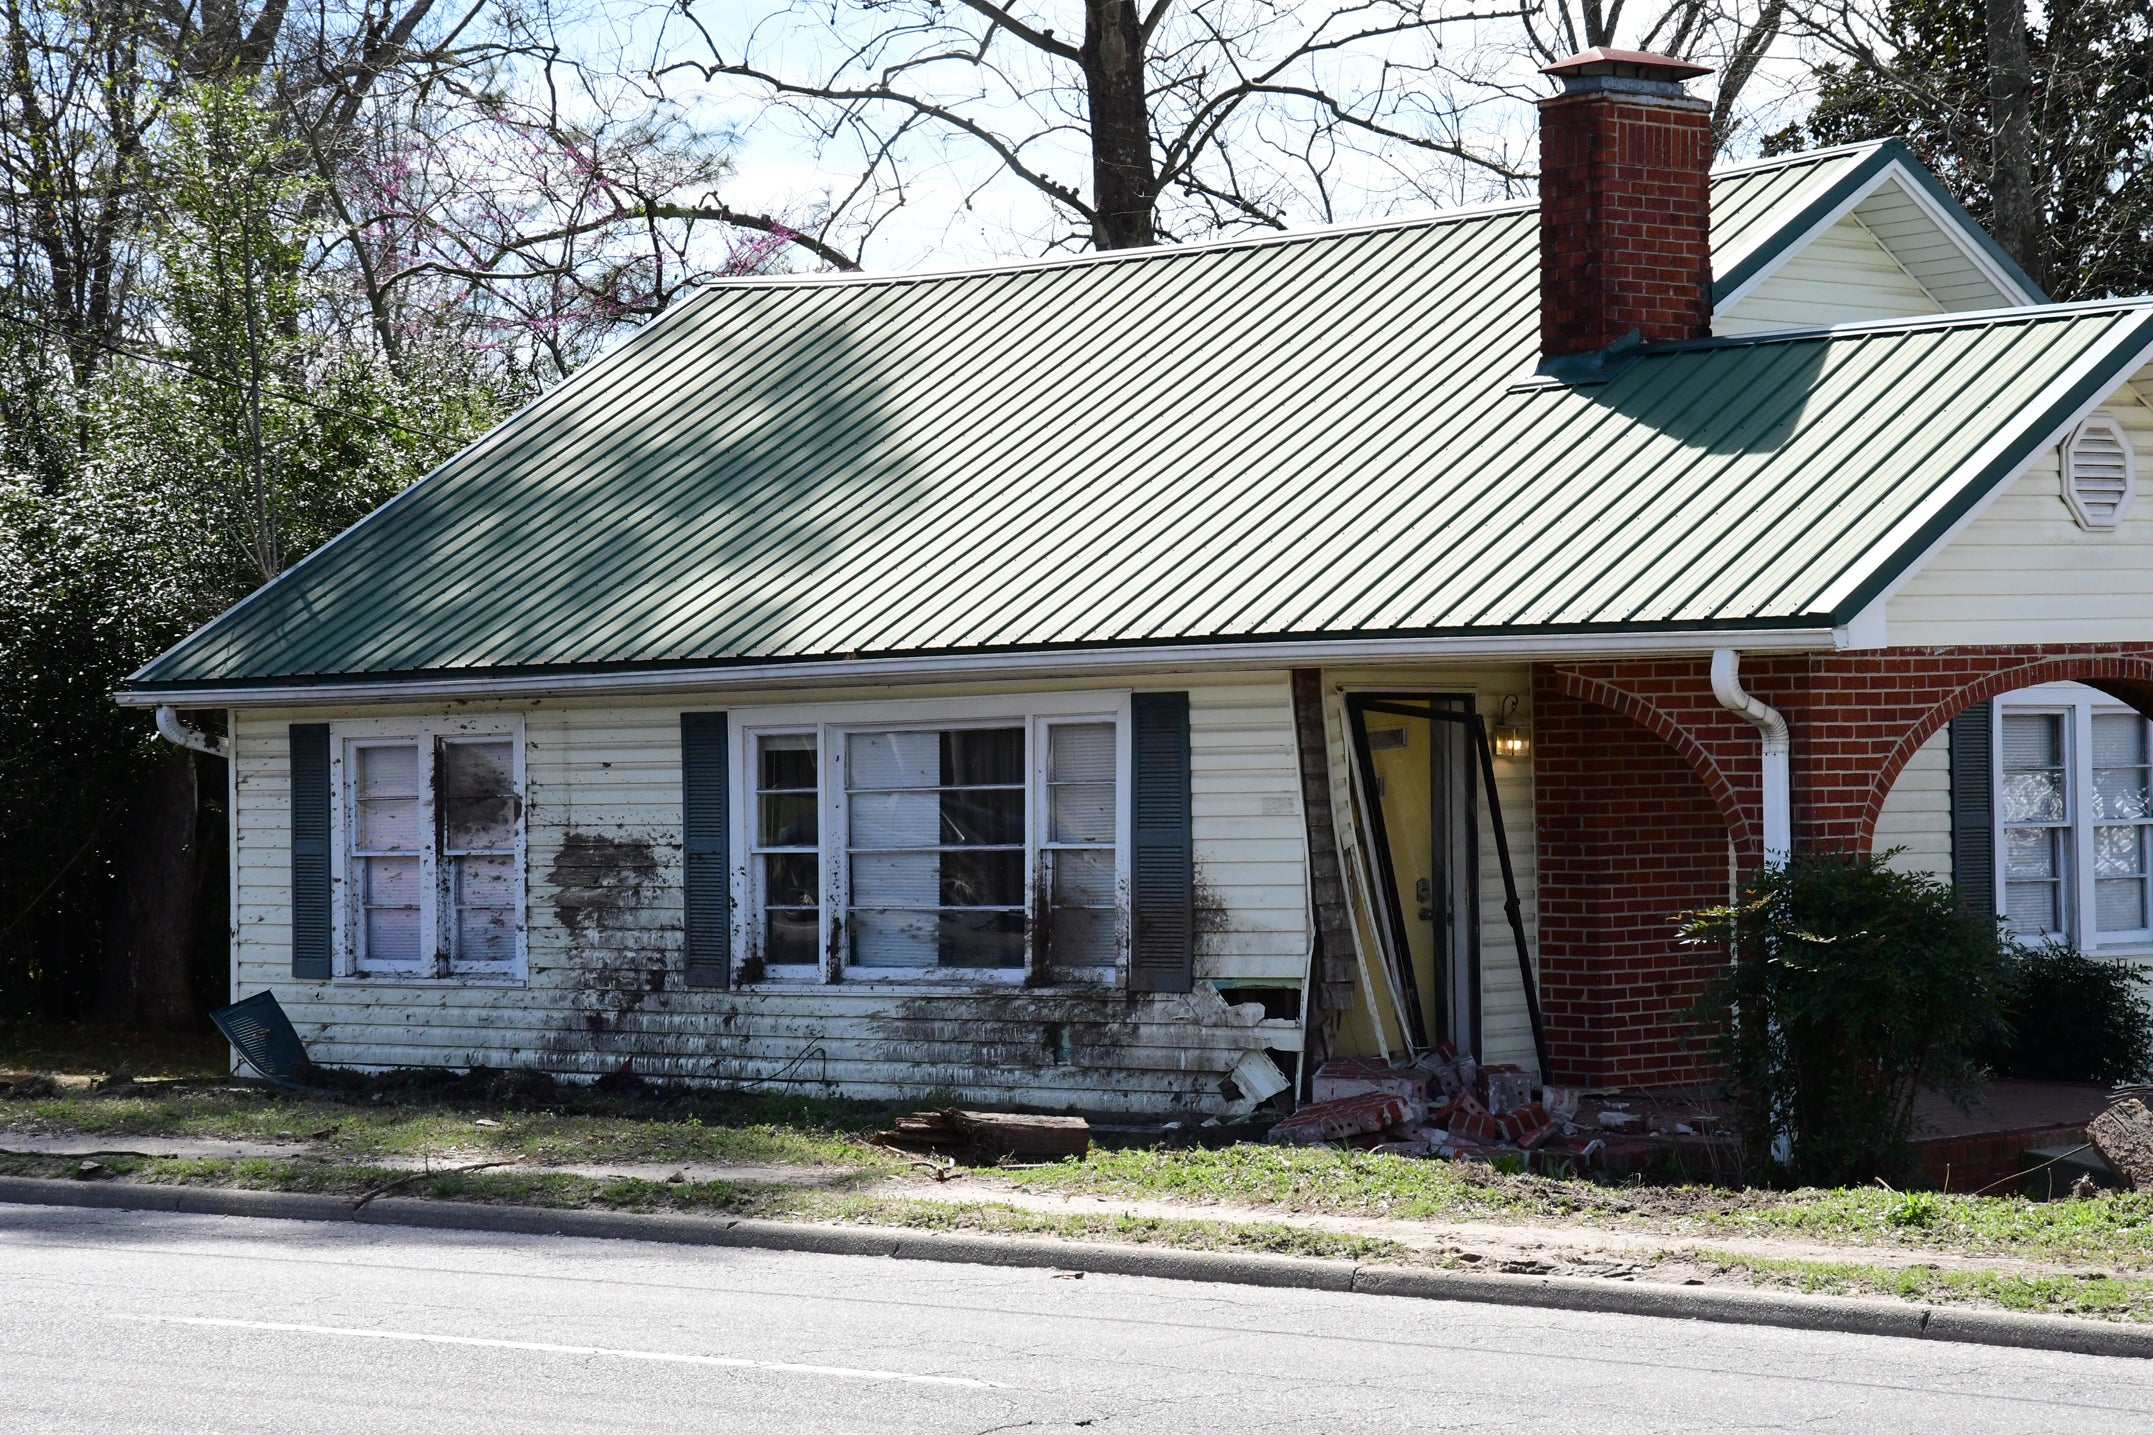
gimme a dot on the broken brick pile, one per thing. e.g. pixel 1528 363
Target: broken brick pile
pixel 1445 1106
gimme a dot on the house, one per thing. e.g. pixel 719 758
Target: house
pixel 1116 682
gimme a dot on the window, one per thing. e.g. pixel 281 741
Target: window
pixel 911 842
pixel 2074 808
pixel 431 823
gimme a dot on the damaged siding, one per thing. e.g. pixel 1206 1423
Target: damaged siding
pixel 605 940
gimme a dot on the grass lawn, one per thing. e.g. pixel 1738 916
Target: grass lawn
pixel 2100 1251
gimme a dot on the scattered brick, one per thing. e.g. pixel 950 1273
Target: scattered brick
pixel 1349 1116
pixel 1360 1075
pixel 1504 1087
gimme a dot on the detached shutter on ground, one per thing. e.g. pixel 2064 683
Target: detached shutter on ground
pixel 1163 958
pixel 705 854
pixel 1973 789
pixel 310 851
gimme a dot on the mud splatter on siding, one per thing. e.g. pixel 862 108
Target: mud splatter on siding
pixel 595 877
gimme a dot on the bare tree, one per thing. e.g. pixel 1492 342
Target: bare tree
pixel 1134 121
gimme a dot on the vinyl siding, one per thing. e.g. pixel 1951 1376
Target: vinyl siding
pixel 603 983
pixel 1917 811
pixel 1843 276
pixel 1506 1030
pixel 2023 571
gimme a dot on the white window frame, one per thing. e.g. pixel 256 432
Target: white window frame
pixel 830 723
pixel 344 904
pixel 2077 705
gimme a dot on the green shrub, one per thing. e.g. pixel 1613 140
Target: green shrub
pixel 2075 1018
pixel 1852 987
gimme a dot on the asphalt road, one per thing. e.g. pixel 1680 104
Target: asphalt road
pixel 123 1321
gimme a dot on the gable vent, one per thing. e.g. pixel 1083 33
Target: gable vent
pixel 2097 477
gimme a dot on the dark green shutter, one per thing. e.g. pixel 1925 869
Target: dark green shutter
pixel 705 852
pixel 1973 813
pixel 1163 958
pixel 310 851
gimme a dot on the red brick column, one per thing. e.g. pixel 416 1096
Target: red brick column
pixel 1629 834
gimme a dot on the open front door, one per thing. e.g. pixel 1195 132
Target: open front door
pixel 1416 775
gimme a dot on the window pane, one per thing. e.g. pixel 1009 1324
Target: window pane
pixel 893 759
pixel 788 761
pixel 896 819
pixel 983 879
pixel 2032 852
pixel 2033 785
pixel 388 771
pixel 978 757
pixel 790 937
pixel 2032 907
pixel 897 879
pixel 1082 879
pixel 389 893
pixel 789 879
pixel 2120 906
pixel 992 817
pixel 390 816
pixel 1080 782
pixel 479 806
pixel 2119 740
pixel 788 819
pixel 1081 937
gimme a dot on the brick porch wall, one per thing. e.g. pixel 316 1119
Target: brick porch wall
pixel 1642 778
pixel 1628 835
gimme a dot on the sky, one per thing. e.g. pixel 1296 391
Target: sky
pixel 960 206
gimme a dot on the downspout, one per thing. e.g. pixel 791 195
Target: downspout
pixel 172 730
pixel 1778 782
pixel 1778 808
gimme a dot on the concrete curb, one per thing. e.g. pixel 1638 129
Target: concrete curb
pixel 1735 1307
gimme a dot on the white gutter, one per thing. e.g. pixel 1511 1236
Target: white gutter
pixel 1778 783
pixel 959 667
pixel 172 730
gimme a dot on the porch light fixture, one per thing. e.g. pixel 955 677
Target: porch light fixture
pixel 1510 739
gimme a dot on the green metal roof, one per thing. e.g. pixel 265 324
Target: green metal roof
pixel 1317 435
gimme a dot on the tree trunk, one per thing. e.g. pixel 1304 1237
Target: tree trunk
pixel 1124 184
pixel 2015 212
pixel 149 944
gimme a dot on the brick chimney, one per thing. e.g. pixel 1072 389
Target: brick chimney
pixel 1625 204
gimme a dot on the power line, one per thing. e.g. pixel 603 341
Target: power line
pixel 188 369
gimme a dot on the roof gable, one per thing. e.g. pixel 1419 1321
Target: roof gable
pixel 1778 208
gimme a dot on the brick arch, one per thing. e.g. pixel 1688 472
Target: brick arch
pixel 1662 725
pixel 2124 677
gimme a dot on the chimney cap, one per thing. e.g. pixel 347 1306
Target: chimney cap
pixel 1595 68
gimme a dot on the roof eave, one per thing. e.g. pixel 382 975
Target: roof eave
pixel 1118 661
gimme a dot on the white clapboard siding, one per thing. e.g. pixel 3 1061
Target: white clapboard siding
pixel 2023 571
pixel 1506 1031
pixel 1917 811
pixel 604 914
pixel 1843 276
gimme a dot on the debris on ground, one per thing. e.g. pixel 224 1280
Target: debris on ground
pixel 29 1088
pixel 1445 1106
pixel 1371 1113
pixel 989 1133
pixel 2124 1135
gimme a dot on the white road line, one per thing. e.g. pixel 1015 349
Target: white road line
pixel 843 1372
